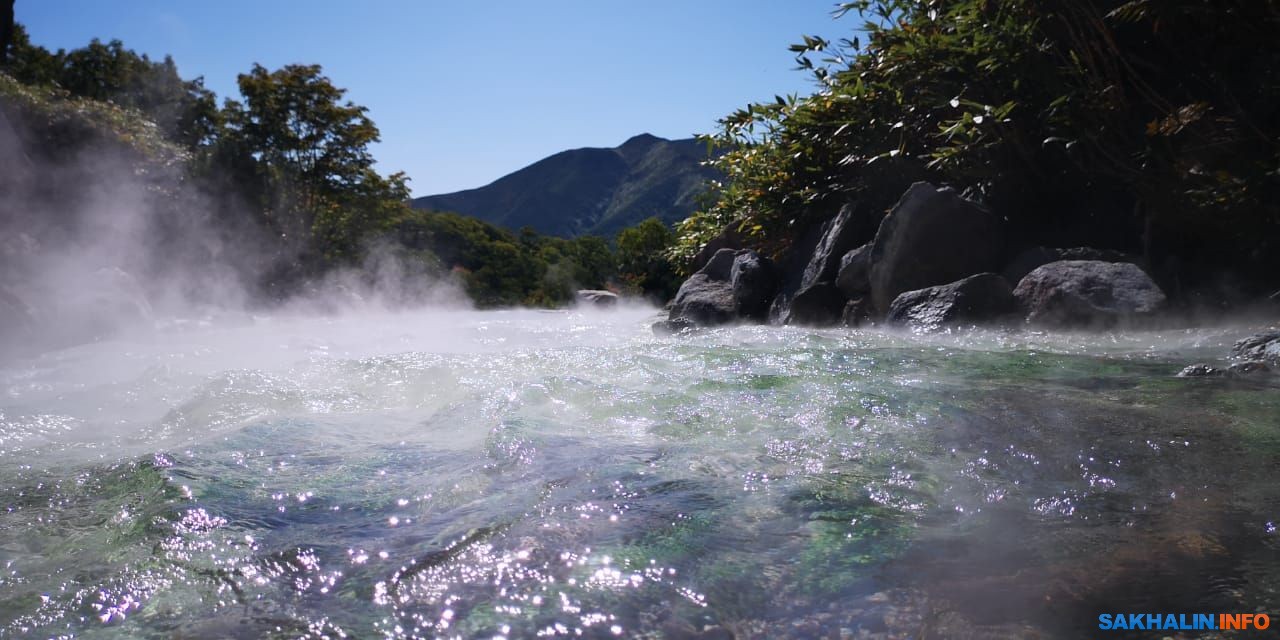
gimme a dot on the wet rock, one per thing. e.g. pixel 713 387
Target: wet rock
pixel 755 281
pixel 1262 347
pixel 976 299
pixel 856 312
pixel 821 255
pixel 728 238
pixel 732 285
pixel 840 235
pixel 706 298
pixel 820 305
pixel 720 266
pixel 932 237
pixel 1249 368
pixel 681 630
pixel 1236 370
pixel 1029 260
pixel 854 278
pixel 596 298
pixel 1088 293
pixel 791 273
pixel 705 302
pixel 1201 370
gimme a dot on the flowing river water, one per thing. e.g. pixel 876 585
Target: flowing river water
pixel 527 474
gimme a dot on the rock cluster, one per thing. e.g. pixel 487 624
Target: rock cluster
pixel 935 260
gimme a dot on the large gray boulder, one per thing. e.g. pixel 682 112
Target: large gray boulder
pixel 732 285
pixel 728 238
pixel 932 237
pixel 596 298
pixel 791 273
pixel 840 235
pixel 1027 261
pixel 976 299
pixel 704 301
pixel 854 278
pixel 821 305
pixel 822 261
pixel 1088 293
pixel 1263 346
pixel 755 281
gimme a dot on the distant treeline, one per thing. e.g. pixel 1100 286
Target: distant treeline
pixel 285 179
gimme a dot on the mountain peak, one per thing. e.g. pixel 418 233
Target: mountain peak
pixel 642 140
pixel 590 190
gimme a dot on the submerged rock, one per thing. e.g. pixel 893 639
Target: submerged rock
pixel 673 326
pixel 856 312
pixel 1262 347
pixel 596 298
pixel 1201 370
pixel 975 299
pixel 1088 293
pixel 1248 368
pixel 932 237
pixel 1236 370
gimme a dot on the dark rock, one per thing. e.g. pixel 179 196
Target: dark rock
pixel 1263 346
pixel 1029 260
pixel 728 238
pixel 840 235
pixel 1201 371
pixel 1088 293
pixel 791 272
pixel 596 298
pixel 705 302
pixel 932 237
pixel 820 305
pixel 732 285
pixel 754 280
pixel 1237 370
pixel 720 266
pixel 1248 368
pixel 856 312
pixel 854 278
pixel 674 326
pixel 975 299
pixel 820 253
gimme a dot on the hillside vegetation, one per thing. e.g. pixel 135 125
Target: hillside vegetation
pixel 591 191
pixel 275 187
pixel 1144 126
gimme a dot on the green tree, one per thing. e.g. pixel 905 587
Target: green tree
pixel 643 261
pixel 312 153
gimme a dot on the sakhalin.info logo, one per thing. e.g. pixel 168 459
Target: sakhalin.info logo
pixel 1183 621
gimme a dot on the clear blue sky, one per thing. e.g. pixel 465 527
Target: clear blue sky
pixel 466 91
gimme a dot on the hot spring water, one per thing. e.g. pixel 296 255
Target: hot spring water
pixel 536 474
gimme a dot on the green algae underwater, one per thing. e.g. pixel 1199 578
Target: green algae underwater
pixel 525 474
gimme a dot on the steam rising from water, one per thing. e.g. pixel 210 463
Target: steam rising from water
pixel 97 243
pixel 431 473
